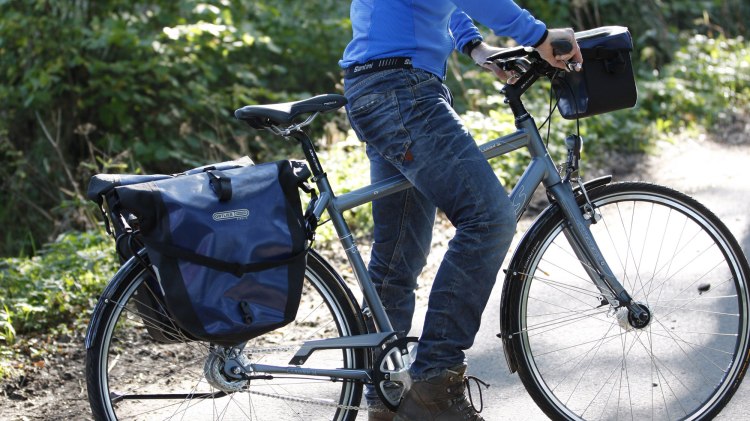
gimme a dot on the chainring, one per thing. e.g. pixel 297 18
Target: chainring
pixel 391 371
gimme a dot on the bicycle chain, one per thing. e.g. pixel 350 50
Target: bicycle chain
pixel 271 349
pixel 315 402
pixel 304 400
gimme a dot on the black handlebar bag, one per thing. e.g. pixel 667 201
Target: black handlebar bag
pixel 606 82
pixel 227 247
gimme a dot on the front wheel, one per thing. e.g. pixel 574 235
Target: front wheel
pixel 139 366
pixel 579 359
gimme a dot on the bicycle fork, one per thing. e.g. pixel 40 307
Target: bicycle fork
pixel 582 241
pixel 586 249
pixel 576 229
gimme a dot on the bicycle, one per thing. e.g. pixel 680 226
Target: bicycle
pixel 622 298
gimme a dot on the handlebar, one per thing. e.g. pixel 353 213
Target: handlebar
pixel 528 66
pixel 523 59
pixel 561 47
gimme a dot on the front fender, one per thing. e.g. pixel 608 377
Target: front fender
pixel 513 275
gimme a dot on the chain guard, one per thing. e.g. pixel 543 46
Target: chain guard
pixel 391 371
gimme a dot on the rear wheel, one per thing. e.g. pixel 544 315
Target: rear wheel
pixel 132 376
pixel 581 360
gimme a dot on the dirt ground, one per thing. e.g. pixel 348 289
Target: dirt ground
pixel 57 390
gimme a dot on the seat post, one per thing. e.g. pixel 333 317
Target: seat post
pixel 309 150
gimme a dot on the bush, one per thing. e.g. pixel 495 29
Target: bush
pixel 706 87
pixel 707 84
pixel 152 85
pixel 50 296
pixel 59 286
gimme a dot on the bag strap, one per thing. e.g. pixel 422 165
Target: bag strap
pixel 220 184
pixel 614 60
pixel 237 269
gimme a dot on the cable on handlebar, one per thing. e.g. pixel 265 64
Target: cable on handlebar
pixel 523 60
pixel 575 103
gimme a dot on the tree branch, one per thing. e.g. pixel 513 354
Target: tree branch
pixel 56 146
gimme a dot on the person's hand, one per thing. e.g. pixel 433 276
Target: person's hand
pixel 480 53
pixel 545 49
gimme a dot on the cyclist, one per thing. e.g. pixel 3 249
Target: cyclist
pixel 394 69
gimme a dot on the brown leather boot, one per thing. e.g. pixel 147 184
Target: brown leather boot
pixel 440 398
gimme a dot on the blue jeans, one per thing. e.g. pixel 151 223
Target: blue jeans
pixel 406 119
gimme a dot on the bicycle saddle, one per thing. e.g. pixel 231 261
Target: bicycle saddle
pixel 263 116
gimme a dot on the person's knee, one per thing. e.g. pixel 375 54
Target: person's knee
pixel 496 229
pixel 503 222
pixel 486 232
pixel 496 217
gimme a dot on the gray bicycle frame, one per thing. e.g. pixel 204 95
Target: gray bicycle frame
pixel 541 170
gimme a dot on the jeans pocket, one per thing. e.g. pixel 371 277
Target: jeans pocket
pixel 376 120
pixel 367 102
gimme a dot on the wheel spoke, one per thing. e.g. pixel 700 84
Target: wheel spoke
pixel 593 362
pixel 185 379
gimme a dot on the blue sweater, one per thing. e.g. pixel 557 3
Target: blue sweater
pixel 427 31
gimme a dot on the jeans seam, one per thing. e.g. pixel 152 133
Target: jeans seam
pixel 477 198
pixel 409 140
pixel 418 107
pixel 399 239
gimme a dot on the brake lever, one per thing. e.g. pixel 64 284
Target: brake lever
pixel 508 53
pixel 519 65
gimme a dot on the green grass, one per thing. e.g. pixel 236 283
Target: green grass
pixel 51 294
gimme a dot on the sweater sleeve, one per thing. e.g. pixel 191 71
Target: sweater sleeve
pixel 504 17
pixel 463 29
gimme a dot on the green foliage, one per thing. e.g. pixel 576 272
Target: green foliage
pixel 142 84
pixel 655 24
pixel 59 286
pixel 49 296
pixel 707 84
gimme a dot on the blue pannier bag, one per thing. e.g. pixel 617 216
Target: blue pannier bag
pixel 123 226
pixel 227 247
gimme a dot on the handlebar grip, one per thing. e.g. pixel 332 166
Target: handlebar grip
pixel 561 47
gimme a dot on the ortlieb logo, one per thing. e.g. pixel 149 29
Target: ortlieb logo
pixel 231 214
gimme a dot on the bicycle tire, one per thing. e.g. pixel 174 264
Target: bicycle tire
pixel 132 376
pixel 580 360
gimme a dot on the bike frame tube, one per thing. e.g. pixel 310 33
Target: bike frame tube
pixel 541 170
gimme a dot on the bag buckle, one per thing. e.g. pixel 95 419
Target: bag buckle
pixel 220 184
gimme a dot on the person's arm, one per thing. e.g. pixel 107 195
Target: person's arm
pixel 506 18
pixel 464 31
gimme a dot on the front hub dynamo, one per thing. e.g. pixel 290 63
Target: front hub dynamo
pixel 643 321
